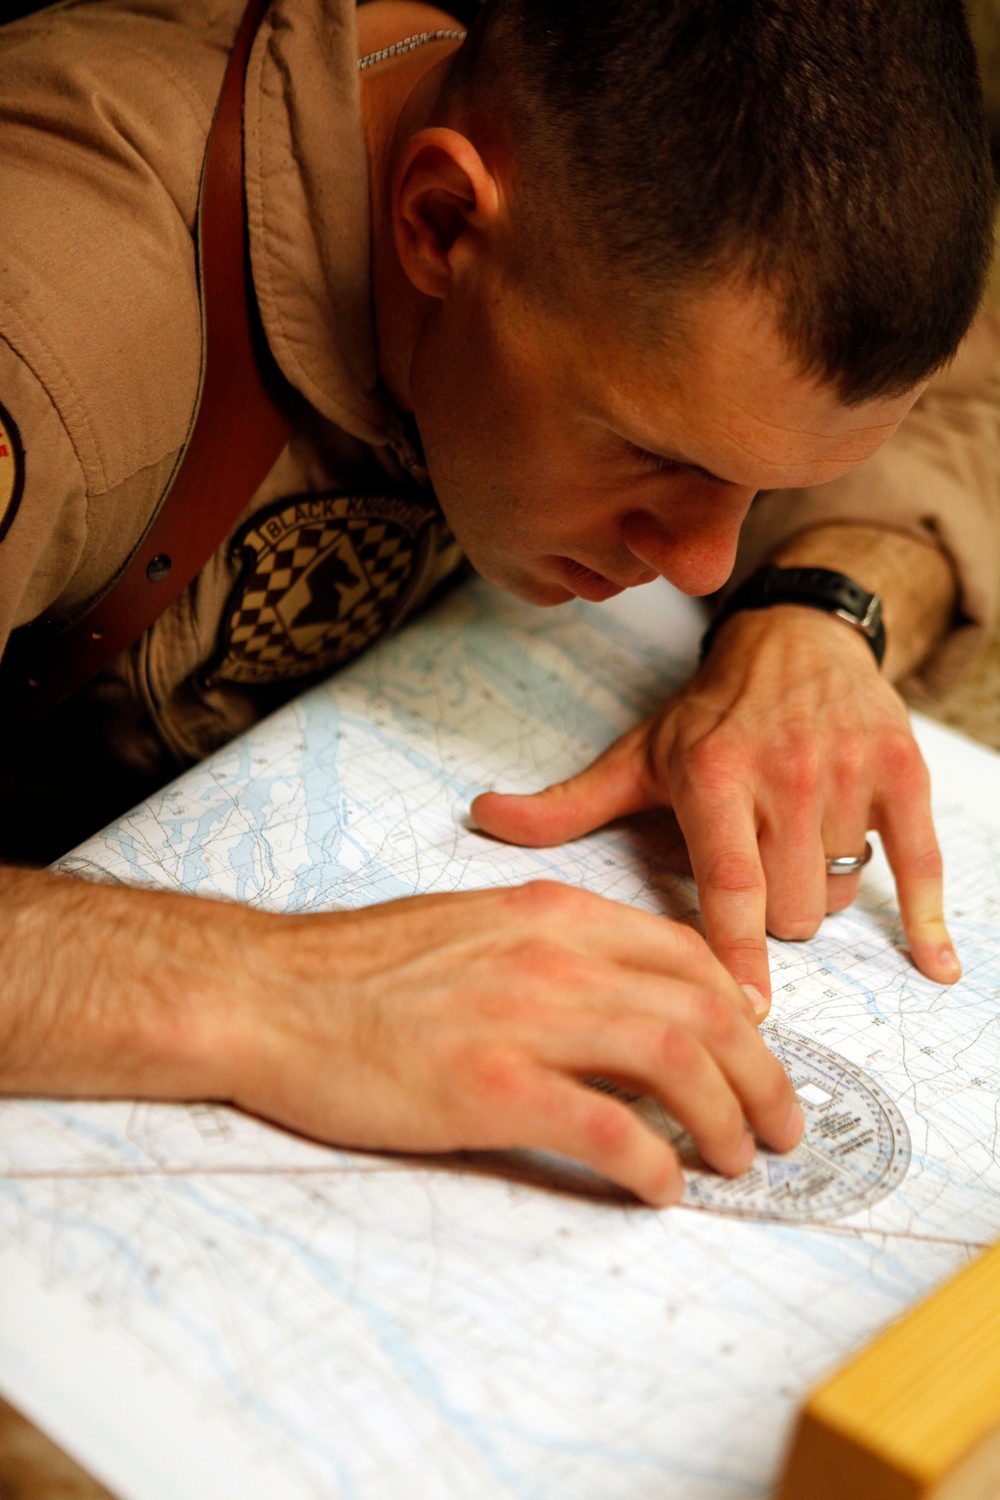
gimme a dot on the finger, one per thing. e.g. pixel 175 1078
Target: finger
pixel 722 839
pixel 764 1089
pixel 603 931
pixel 643 1049
pixel 599 1004
pixel 543 1111
pixel 610 788
pixel 844 833
pixel 707 1064
pixel 903 819
pixel 841 891
pixel 678 1070
pixel 791 853
pixel 813 799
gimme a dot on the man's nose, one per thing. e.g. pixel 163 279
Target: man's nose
pixel 697 559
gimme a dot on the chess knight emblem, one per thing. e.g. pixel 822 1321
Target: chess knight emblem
pixel 323 576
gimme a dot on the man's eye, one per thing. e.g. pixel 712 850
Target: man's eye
pixel 654 461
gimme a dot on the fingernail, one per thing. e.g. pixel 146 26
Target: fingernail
pixel 948 959
pixel 796 1122
pixel 671 1195
pixel 758 1000
pixel 748 1152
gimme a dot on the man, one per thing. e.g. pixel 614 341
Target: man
pixel 628 266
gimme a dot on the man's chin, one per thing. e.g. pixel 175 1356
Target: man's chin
pixel 542 595
pixel 542 592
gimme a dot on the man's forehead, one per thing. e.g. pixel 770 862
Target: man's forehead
pixel 763 444
pixel 724 394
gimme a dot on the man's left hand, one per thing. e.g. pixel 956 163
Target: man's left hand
pixel 785 748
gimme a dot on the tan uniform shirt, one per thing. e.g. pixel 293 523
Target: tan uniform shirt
pixel 105 108
pixel 937 478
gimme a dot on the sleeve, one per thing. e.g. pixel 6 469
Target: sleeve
pixel 43 499
pixel 938 479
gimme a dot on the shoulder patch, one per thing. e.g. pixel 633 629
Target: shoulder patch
pixel 11 470
pixel 323 576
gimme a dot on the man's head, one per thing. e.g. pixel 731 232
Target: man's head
pixel 738 233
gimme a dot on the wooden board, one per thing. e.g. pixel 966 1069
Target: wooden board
pixel 916 1415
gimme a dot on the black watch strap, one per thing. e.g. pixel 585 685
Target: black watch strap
pixel 817 588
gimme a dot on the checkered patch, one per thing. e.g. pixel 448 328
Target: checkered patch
pixel 323 576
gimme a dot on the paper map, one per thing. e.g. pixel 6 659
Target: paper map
pixel 197 1304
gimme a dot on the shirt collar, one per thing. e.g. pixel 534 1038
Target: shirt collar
pixel 308 213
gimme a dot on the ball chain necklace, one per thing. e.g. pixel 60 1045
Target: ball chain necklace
pixel 408 44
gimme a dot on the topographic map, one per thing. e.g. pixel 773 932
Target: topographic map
pixel 200 1305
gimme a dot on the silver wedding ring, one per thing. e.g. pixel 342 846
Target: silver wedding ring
pixel 849 864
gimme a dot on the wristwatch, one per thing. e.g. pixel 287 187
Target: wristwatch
pixel 818 588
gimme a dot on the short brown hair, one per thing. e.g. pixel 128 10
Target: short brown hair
pixel 834 150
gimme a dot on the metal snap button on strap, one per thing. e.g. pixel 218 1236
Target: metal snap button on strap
pixel 159 567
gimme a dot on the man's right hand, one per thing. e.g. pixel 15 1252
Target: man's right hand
pixel 436 1023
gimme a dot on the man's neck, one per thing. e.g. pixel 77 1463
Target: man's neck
pixel 398 97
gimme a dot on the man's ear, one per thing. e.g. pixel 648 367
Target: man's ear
pixel 442 190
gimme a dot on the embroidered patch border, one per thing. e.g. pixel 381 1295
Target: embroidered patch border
pixel 11 470
pixel 364 554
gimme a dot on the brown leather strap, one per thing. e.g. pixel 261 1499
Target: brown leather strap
pixel 237 433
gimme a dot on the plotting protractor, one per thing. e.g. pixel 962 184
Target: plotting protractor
pixel 855 1150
